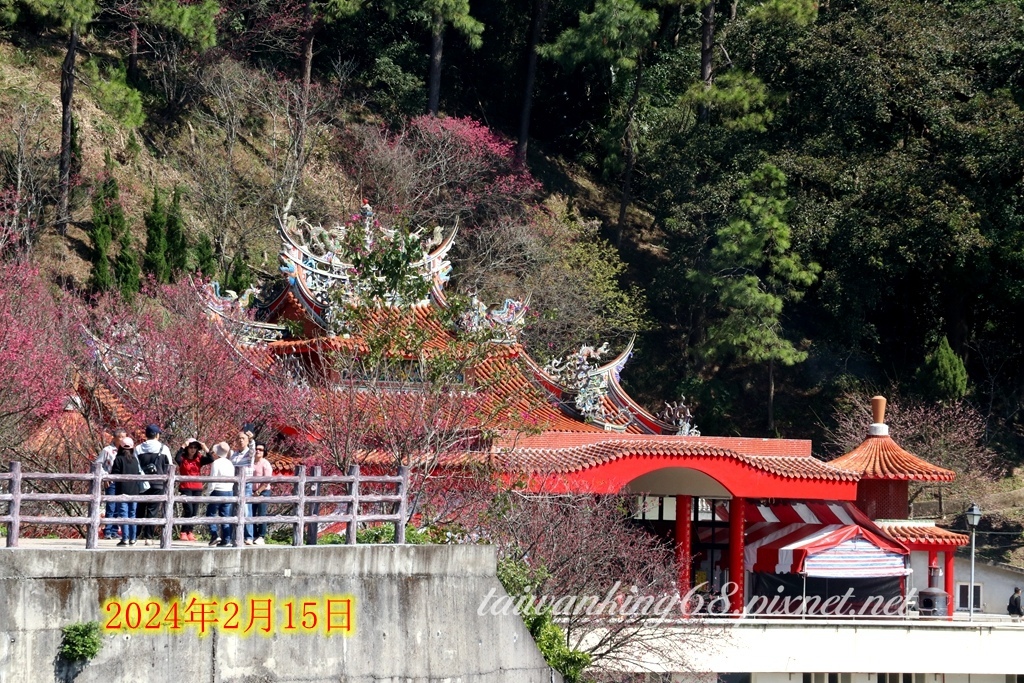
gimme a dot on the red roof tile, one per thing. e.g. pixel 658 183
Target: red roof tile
pixel 913 534
pixel 879 457
pixel 566 453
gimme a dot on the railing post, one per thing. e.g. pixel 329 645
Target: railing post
pixel 353 506
pixel 14 527
pixel 168 531
pixel 300 508
pixel 313 527
pixel 95 504
pixel 403 504
pixel 240 508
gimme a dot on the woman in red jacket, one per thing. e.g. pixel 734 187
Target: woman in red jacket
pixel 187 460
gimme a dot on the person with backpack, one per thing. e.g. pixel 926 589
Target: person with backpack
pixel 154 458
pixel 1014 607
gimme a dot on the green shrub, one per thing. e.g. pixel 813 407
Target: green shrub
pixel 81 641
pixel 518 579
pixel 943 376
pixel 110 89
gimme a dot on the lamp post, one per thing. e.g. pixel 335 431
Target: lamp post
pixel 973 517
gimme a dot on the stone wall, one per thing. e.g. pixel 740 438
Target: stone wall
pixel 414 611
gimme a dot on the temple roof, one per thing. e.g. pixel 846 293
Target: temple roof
pixel 879 457
pixel 565 453
pixel 922 533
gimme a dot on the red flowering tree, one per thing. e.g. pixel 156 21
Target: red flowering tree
pixel 166 361
pixel 604 580
pixel 35 372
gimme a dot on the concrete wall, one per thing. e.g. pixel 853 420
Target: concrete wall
pixel 779 647
pixel 415 616
pixel 996 581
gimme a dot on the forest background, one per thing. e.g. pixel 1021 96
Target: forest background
pixel 792 205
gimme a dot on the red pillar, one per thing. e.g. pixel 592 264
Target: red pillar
pixel 949 582
pixel 684 551
pixel 737 513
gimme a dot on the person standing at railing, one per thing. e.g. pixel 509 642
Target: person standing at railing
pixel 261 468
pixel 188 461
pixel 1014 606
pixel 106 461
pixel 243 459
pixel 125 462
pixel 221 534
pixel 155 458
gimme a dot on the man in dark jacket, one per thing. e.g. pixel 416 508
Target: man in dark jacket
pixel 154 458
pixel 1014 607
pixel 125 462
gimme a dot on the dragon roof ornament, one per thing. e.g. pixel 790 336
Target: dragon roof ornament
pixel 321 261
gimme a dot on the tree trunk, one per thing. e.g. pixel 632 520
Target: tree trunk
pixel 302 116
pixel 771 396
pixel 436 48
pixel 629 150
pixel 67 91
pixel 707 46
pixel 540 8
pixel 133 54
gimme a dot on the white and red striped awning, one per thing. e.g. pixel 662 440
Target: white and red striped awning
pixel 833 540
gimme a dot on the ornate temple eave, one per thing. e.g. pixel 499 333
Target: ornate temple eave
pixel 613 368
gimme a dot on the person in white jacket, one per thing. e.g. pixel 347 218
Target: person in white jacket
pixel 221 534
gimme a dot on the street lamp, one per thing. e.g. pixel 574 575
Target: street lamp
pixel 973 517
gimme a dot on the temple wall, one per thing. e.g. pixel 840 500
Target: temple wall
pixel 883 499
pixel 413 609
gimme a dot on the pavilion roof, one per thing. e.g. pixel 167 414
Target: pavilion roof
pixel 918 534
pixel 879 457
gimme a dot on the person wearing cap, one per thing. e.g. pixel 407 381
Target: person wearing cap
pixel 126 462
pixel 1014 607
pixel 155 458
pixel 221 534
pixel 106 460
pixel 188 460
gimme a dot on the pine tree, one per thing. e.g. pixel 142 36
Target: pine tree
pixel 943 377
pixel 756 272
pixel 73 16
pixel 206 260
pixel 238 278
pixel 154 262
pixel 126 268
pixel 112 210
pixel 177 241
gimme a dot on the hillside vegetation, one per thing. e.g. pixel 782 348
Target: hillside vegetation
pixel 793 205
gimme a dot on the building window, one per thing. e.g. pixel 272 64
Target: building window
pixel 961 596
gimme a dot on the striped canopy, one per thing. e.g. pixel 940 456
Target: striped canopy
pixel 826 540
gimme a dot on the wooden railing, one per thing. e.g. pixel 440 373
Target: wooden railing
pixel 304 502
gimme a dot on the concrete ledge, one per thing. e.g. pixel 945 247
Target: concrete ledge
pixel 415 615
